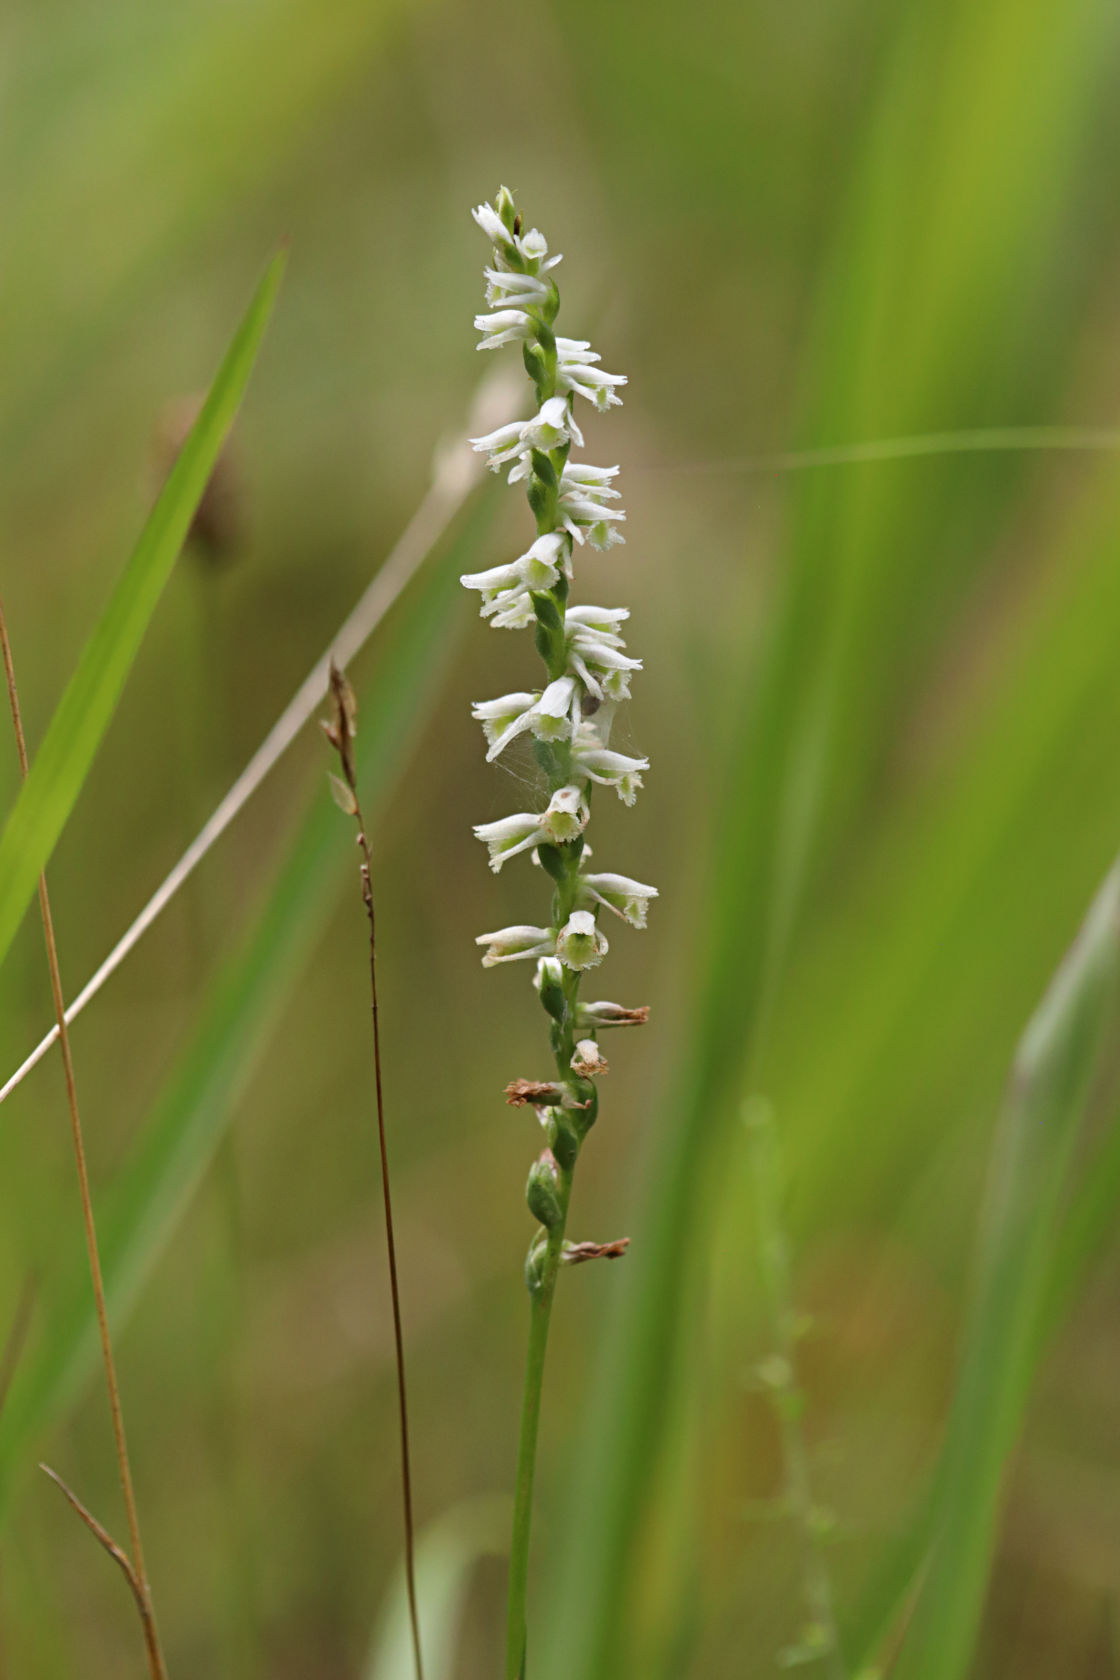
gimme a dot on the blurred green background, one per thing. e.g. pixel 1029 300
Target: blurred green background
pixel 882 703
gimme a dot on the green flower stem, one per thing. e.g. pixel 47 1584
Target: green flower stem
pixel 540 1316
pixel 550 1181
pixel 542 1270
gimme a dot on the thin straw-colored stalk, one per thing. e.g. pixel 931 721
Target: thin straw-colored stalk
pixel 175 1145
pixel 456 472
pixel 447 1556
pixel 136 1584
pixel 139 1571
pixel 340 732
pixel 74 735
pixel 971 440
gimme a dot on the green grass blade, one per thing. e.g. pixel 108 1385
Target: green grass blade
pixel 86 708
pixel 446 1553
pixel 192 120
pixel 1050 1084
pixel 867 1630
pixel 913 308
pixel 1084 1227
pixel 952 945
pixel 142 1209
pixel 1091 1220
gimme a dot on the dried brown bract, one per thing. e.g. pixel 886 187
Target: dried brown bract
pixel 576 1253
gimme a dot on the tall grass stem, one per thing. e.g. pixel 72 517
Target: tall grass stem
pixel 144 1595
pixel 341 737
pixel 456 473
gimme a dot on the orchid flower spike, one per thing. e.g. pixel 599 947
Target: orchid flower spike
pixel 565 719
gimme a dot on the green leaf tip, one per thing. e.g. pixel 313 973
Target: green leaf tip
pixel 86 709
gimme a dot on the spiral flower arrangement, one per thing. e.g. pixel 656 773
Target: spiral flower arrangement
pixel 569 720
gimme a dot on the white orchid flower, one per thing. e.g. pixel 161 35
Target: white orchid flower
pixel 579 944
pixel 628 899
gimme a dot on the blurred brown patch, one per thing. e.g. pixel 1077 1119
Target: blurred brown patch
pixel 218 531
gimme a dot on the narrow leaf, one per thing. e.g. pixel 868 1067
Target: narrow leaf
pixel 143 1208
pixel 1084 1228
pixel 909 299
pixel 1051 1081
pixel 86 708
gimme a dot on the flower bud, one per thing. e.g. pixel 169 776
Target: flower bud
pixel 507 210
pixel 535 1263
pixel 543 1191
pixel 550 308
pixel 549 981
pixel 563 1139
pixel 544 469
pixel 542 495
pixel 549 635
pixel 535 365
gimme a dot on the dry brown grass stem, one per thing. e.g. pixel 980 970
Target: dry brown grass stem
pixel 339 731
pixel 456 471
pixel 138 1573
pixel 137 1587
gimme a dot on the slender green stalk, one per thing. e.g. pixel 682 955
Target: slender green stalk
pixel 541 1272
pixel 569 720
pixel 540 1317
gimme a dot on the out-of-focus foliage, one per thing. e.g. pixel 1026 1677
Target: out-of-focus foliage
pixel 86 708
pixel 881 700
